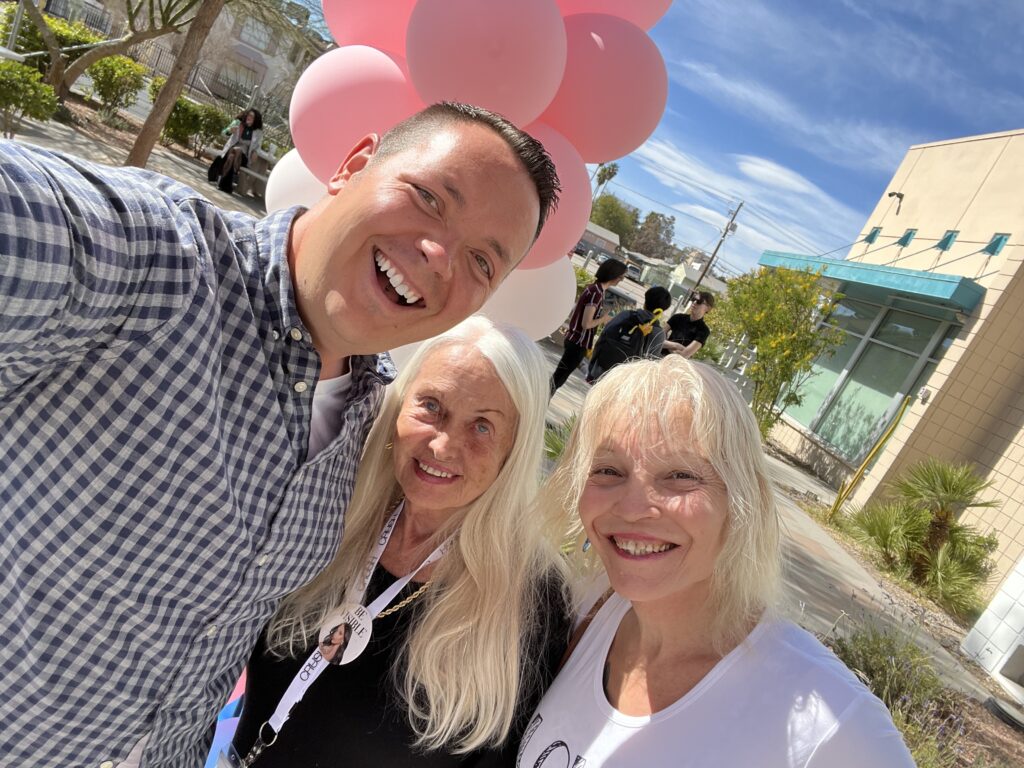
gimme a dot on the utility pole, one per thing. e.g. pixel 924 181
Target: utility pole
pixel 728 230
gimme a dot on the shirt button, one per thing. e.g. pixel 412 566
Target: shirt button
pixel 301 386
pixel 107 764
pixel 262 560
pixel 296 334
pixel 212 631
pixel 276 334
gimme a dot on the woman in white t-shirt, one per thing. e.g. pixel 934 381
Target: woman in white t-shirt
pixel 684 663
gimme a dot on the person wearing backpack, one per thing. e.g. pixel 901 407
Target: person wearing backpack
pixel 635 333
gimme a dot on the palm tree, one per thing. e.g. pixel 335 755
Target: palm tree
pixel 945 490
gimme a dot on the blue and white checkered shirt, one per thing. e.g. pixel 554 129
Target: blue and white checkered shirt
pixel 156 387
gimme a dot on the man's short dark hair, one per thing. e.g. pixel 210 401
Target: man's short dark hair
pixel 610 270
pixel 706 298
pixel 531 153
pixel 657 297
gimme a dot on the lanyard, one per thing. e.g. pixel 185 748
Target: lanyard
pixel 354 621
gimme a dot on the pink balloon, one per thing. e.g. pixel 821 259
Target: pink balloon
pixel 614 89
pixel 644 13
pixel 378 24
pixel 505 56
pixel 342 96
pixel 565 226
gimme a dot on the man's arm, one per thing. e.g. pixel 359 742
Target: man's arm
pixel 87 258
pixel 687 350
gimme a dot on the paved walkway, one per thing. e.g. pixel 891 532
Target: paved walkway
pixel 823 583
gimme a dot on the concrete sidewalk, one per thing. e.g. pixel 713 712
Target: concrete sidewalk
pixel 823 583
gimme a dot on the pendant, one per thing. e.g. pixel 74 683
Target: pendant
pixel 345 633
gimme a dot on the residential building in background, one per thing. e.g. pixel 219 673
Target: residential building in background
pixel 933 311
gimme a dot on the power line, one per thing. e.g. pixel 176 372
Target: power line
pixel 665 206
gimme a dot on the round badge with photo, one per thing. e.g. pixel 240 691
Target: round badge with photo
pixel 345 634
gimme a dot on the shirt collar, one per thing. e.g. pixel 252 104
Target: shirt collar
pixel 272 234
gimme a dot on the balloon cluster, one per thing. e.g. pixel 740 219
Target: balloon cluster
pixel 582 76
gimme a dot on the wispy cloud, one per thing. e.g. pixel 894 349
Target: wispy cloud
pixel 784 210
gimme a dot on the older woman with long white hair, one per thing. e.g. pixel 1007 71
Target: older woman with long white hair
pixel 431 636
pixel 683 662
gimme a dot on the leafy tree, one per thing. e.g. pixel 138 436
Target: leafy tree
pixel 117 81
pixel 778 312
pixel 654 237
pixel 23 95
pixel 613 214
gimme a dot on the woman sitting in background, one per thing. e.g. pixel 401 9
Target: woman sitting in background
pixel 684 663
pixel 461 583
pixel 239 152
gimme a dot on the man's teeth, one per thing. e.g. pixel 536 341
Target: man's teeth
pixel 642 547
pixel 431 471
pixel 396 278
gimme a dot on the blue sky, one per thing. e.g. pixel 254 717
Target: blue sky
pixel 804 109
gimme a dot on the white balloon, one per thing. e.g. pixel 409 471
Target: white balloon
pixel 292 183
pixel 536 300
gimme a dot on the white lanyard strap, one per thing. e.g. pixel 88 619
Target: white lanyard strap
pixel 354 612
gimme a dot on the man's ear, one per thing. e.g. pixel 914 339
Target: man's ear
pixel 356 160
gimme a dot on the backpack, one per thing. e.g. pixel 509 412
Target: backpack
pixel 621 340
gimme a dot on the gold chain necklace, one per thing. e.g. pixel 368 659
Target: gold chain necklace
pixel 400 605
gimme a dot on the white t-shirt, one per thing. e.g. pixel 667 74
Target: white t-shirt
pixel 778 700
pixel 330 399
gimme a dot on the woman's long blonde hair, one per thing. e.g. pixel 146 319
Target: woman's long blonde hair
pixel 655 400
pixel 465 664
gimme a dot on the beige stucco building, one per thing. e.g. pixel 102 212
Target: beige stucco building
pixel 934 310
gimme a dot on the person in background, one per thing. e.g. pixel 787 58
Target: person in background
pixel 459 656
pixel 585 318
pixel 688 333
pixel 240 150
pixel 631 335
pixel 684 662
pixel 185 393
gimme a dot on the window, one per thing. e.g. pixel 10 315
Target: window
pixel 872 235
pixel 947 240
pixel 295 54
pixel 995 245
pixel 907 237
pixel 256 33
pixel 887 353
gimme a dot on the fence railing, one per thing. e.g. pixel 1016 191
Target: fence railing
pixel 96 19
pixel 734 362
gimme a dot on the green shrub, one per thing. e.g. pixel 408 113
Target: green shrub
pixel 68 34
pixel 155 86
pixel 211 122
pixel 583 279
pixel 117 80
pixel 183 122
pixel 23 94
pixel 900 674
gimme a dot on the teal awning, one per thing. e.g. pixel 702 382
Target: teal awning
pixel 952 291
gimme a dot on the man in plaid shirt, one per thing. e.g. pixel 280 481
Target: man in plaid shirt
pixel 168 474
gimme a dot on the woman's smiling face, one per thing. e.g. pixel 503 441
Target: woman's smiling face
pixel 454 432
pixel 655 513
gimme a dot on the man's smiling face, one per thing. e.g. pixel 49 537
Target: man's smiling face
pixel 409 244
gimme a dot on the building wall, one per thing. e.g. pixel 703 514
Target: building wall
pixel 976 409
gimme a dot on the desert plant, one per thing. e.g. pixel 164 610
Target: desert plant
pixel 22 94
pixel 945 490
pixel 556 437
pixel 893 529
pixel 116 80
